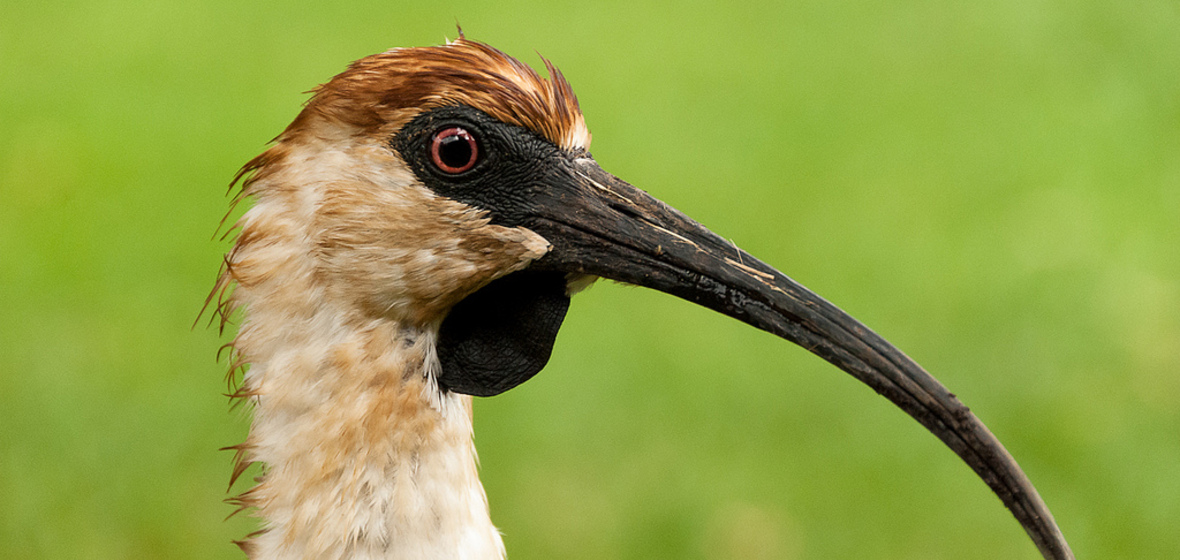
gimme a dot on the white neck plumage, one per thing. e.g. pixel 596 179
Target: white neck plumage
pixel 364 458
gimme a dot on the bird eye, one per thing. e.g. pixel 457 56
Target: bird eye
pixel 454 150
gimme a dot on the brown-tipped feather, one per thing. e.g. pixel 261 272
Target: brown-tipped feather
pixel 247 546
pixel 242 461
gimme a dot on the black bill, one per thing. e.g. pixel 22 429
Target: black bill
pixel 600 225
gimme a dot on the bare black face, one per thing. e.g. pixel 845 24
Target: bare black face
pixel 502 335
pixel 600 225
pixel 503 169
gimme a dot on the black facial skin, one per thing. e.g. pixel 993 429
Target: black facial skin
pixel 599 225
pixel 502 335
pixel 515 165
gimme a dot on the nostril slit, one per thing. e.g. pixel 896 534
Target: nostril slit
pixel 631 211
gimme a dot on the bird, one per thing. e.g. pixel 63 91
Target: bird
pixel 413 239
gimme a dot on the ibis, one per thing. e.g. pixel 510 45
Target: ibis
pixel 412 240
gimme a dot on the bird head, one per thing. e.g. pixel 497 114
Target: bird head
pixel 451 189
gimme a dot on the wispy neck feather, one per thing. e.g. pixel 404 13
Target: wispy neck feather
pixel 363 456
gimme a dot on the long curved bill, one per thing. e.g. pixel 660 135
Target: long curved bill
pixel 600 225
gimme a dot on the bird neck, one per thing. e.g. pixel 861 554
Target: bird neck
pixel 363 456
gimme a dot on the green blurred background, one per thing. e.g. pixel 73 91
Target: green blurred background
pixel 994 187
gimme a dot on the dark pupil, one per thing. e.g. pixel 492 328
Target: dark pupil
pixel 454 150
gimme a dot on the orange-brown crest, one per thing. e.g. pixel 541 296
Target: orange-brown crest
pixel 387 89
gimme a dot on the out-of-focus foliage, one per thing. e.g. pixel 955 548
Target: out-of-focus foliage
pixel 995 187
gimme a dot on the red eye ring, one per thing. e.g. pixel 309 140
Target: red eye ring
pixel 454 150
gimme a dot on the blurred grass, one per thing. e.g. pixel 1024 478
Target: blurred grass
pixel 994 187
